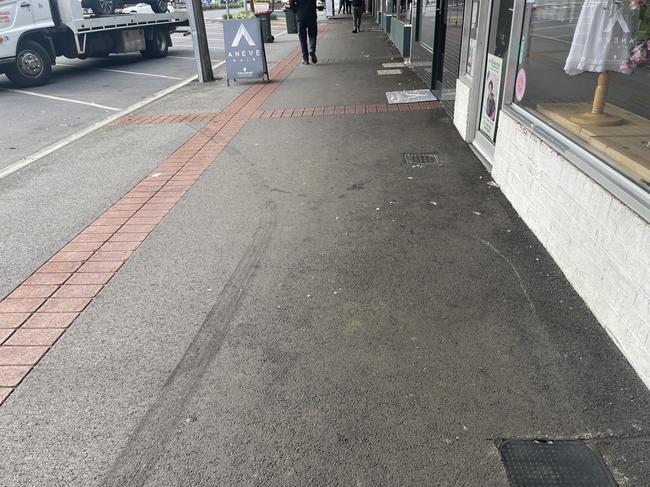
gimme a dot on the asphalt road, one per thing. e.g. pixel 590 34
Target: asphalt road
pixel 83 92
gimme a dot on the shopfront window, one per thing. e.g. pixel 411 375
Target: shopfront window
pixel 427 22
pixel 404 11
pixel 584 68
pixel 473 34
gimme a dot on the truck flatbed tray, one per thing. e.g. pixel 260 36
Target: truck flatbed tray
pixel 121 21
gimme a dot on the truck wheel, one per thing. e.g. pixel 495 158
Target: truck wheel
pixel 158 46
pixel 102 7
pixel 158 6
pixel 33 66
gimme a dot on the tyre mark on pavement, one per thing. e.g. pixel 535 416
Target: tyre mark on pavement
pixel 150 438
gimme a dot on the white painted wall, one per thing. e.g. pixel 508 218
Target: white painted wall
pixel 461 108
pixel 602 247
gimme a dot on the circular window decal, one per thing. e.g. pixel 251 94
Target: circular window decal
pixel 520 84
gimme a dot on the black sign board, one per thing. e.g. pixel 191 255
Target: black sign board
pixel 245 55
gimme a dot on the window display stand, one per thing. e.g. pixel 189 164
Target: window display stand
pixel 623 143
pixel 597 116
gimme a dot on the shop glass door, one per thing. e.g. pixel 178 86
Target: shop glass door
pixel 493 76
pixel 446 52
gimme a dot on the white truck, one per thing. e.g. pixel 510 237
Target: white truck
pixel 33 33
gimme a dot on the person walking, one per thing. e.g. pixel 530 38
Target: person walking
pixel 305 11
pixel 348 7
pixel 358 7
pixel 342 5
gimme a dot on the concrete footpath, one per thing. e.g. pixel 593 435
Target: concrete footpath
pixel 260 291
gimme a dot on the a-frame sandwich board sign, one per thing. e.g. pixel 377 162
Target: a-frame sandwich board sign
pixel 245 53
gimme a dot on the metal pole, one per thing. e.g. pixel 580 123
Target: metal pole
pixel 228 9
pixel 200 41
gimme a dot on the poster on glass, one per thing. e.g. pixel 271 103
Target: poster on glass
pixel 491 90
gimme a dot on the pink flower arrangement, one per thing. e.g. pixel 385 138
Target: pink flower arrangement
pixel 640 53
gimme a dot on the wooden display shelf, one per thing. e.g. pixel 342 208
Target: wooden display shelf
pixel 625 144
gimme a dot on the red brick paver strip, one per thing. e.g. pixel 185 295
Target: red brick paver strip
pixel 5 333
pixel 50 320
pixel 78 290
pixel 85 278
pixel 35 336
pixel 82 246
pixel 26 291
pixel 44 278
pixel 11 375
pixel 248 114
pixel 100 267
pixel 65 305
pixel 12 320
pixel 20 355
pixel 53 297
pixel 56 267
pixel 4 393
pixel 20 305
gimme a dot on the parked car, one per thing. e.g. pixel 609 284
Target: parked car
pixel 320 4
pixel 110 7
pixel 142 8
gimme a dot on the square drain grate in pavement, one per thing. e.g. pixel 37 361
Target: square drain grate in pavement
pixel 419 159
pixel 546 463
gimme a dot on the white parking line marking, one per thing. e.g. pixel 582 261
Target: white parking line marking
pixel 182 57
pixel 96 126
pixel 60 98
pixel 121 71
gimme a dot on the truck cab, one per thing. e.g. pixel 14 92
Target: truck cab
pixel 33 33
pixel 18 17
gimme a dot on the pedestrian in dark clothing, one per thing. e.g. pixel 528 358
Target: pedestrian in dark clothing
pixel 307 27
pixel 348 6
pixel 358 6
pixel 342 5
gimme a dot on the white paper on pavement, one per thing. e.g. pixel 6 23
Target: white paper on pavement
pixel 409 96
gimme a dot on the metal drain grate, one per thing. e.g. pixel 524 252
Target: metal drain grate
pixel 545 463
pixel 419 159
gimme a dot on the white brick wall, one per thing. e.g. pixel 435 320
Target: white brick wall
pixel 602 247
pixel 461 108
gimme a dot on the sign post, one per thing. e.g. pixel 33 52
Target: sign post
pixel 200 41
pixel 245 54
